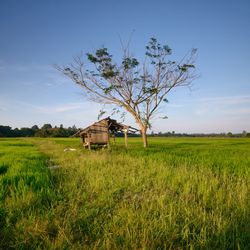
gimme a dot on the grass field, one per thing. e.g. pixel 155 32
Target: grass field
pixel 180 193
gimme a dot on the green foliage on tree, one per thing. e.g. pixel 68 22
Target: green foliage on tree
pixel 138 87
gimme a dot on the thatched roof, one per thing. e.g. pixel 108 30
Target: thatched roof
pixel 105 125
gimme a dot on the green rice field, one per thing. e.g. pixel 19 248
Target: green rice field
pixel 180 193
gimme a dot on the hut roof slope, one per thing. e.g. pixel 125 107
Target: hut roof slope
pixel 105 125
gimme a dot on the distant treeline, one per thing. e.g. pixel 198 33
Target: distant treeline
pixel 45 131
pixel 48 131
pixel 173 134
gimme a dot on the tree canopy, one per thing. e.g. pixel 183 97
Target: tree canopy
pixel 137 87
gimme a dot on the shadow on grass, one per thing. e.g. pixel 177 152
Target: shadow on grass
pixel 3 169
pixel 235 236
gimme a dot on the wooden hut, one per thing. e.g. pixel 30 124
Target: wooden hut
pixel 99 132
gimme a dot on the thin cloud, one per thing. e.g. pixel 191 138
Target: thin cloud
pixel 26 75
pixel 43 109
pixel 59 109
pixel 223 106
pixel 227 100
pixel 240 111
pixel 175 105
pixel 3 109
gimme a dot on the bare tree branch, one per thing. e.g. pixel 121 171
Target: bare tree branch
pixel 140 88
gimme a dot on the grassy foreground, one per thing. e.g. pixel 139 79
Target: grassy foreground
pixel 177 194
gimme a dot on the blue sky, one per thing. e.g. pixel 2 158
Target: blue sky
pixel 37 34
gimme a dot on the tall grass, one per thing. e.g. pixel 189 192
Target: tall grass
pixel 25 193
pixel 177 194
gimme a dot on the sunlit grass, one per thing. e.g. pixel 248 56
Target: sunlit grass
pixel 180 193
pixel 25 192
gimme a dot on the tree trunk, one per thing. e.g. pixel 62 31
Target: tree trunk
pixel 126 138
pixel 144 137
pixel 142 126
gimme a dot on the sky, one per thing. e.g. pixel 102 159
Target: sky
pixel 35 35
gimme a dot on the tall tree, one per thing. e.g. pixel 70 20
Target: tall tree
pixel 138 87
